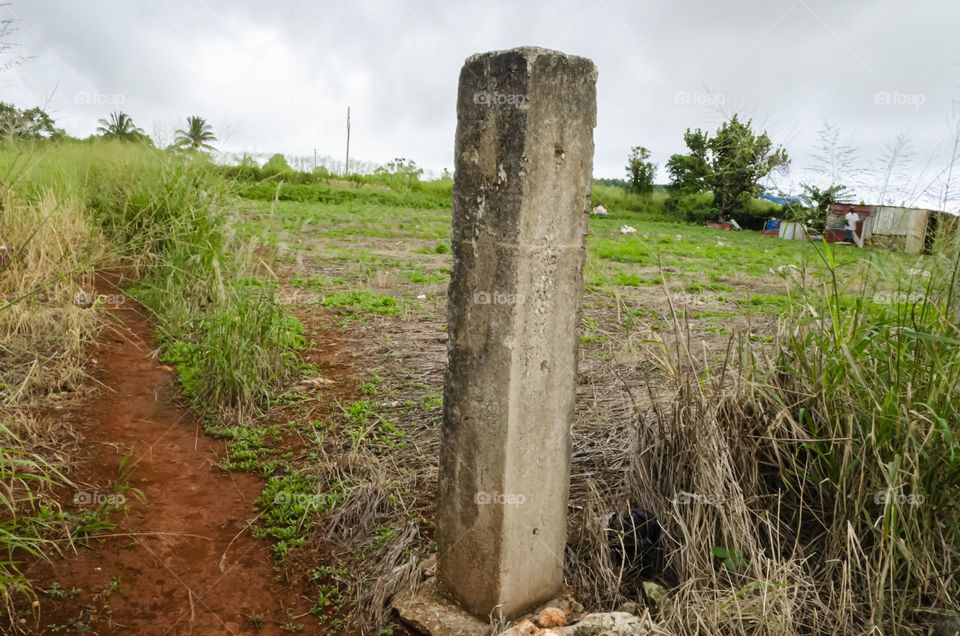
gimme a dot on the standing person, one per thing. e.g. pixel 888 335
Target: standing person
pixel 851 233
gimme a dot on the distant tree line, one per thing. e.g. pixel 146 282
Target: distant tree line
pixel 35 124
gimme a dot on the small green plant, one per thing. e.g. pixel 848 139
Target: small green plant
pixel 337 573
pixel 431 401
pixel 55 590
pixel 382 536
pixel 255 620
pixel 732 560
pixel 360 302
pixel 363 423
pixel 329 600
pixel 627 279
pixel 248 449
pixel 371 387
pixel 111 587
pixel 289 502
pixel 317 283
pixel 121 486
pixel 419 277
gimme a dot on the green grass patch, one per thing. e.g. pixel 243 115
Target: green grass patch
pixel 437 277
pixel 628 279
pixel 363 424
pixel 360 302
pixel 288 503
pixel 249 448
pixel 318 282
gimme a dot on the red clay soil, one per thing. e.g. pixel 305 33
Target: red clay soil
pixel 185 560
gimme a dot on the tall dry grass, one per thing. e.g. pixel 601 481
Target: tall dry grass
pixel 48 321
pixel 809 489
pixel 48 316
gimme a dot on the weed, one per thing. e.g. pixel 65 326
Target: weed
pixel 360 302
pixel 431 401
pixel 364 424
pixel 329 600
pixel 255 620
pixel 246 352
pixel 29 525
pixel 419 277
pixel 382 536
pixel 317 283
pixel 371 387
pixel 288 502
pixel 112 587
pixel 626 279
pixel 247 448
pixel 56 591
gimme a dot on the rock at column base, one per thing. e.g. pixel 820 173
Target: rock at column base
pixel 429 611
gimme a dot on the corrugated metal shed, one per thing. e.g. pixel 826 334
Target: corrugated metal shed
pixel 893 221
pixel 912 230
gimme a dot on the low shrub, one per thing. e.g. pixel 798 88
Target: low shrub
pixel 693 208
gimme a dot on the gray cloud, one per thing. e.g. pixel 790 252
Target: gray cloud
pixel 279 77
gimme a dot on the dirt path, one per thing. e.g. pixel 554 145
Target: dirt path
pixel 186 563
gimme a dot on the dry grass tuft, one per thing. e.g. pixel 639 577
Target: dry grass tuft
pixel 806 488
pixel 696 460
pixel 48 309
pixel 49 318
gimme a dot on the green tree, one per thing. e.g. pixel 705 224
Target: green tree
pixel 739 160
pixel 30 123
pixel 197 135
pixel 120 126
pixel 689 173
pixel 731 164
pixel 277 164
pixel 640 170
pixel 401 166
pixel 400 173
pixel 822 198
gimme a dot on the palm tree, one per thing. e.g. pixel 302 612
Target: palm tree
pixel 197 136
pixel 120 126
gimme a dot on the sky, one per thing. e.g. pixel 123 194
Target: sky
pixel 279 76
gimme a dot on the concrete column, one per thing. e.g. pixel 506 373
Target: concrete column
pixel 524 158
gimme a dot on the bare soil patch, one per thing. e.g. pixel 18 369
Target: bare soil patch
pixel 182 560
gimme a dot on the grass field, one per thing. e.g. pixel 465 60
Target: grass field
pixel 719 279
pixel 812 390
pixel 665 302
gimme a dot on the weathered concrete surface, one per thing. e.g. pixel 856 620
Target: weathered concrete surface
pixel 431 613
pixel 523 157
pixel 610 624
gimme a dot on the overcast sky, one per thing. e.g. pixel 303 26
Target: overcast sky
pixel 278 76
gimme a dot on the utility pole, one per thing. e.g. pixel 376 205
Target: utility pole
pixel 346 164
pixel 314 159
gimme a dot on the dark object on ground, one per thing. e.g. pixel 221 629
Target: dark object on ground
pixel 635 543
